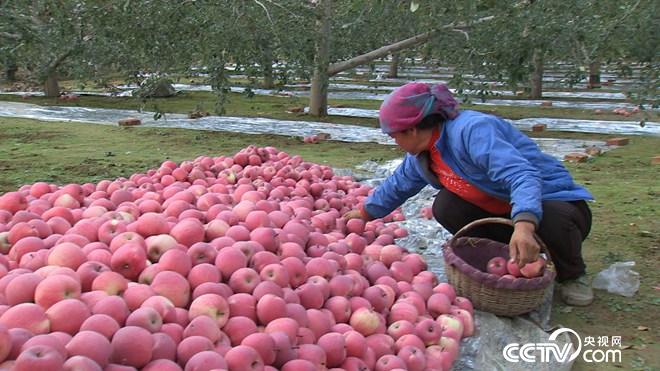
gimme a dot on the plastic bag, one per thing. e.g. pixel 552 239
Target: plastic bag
pixel 619 278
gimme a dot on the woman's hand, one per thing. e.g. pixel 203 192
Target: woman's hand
pixel 523 247
pixel 353 214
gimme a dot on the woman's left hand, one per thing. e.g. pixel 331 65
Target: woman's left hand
pixel 523 247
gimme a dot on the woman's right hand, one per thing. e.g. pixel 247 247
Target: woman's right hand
pixel 353 214
pixel 523 247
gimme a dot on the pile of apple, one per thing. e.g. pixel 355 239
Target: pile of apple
pixel 509 269
pixel 226 263
pixel 624 112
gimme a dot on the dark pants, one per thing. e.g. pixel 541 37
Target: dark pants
pixel 563 228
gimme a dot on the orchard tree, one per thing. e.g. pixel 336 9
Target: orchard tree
pixel 512 47
pixel 601 31
pixel 524 36
pixel 619 34
pixel 42 36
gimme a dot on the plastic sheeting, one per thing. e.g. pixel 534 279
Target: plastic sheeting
pixel 483 351
pixel 592 126
pixel 250 125
pixel 619 278
pixel 559 124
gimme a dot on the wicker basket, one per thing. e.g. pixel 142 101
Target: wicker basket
pixel 465 264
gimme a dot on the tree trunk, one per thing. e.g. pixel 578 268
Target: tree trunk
pixel 594 75
pixel 536 80
pixel 267 63
pixel 394 66
pixel 10 70
pixel 51 86
pixel 318 101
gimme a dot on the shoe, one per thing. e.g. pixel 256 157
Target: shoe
pixel 577 292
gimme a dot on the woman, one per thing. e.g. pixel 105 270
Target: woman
pixel 484 167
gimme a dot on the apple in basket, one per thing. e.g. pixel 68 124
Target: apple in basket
pixel 533 269
pixel 512 268
pixel 497 266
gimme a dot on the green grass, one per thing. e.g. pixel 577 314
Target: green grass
pixel 626 227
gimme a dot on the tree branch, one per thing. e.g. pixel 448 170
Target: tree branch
pixel 335 68
pixel 59 59
pixel 13 36
pixel 462 32
pixel 285 9
pixel 265 10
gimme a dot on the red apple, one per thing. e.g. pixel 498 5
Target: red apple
pixel 129 260
pixel 428 331
pixel 211 305
pixel 314 354
pixel 39 357
pixel 390 362
pixel 55 288
pixel 244 280
pixel 102 324
pixel 157 245
pixel 496 266
pixel 67 315
pixel 151 224
pixel 173 286
pixel 414 358
pixel 533 269
pixel 92 345
pixel 147 318
pixel 206 360
pixel 238 328
pixel 244 358
pixel 451 326
pixel 263 344
pixel 512 268
pixel 447 289
pixel 464 303
pixel 287 326
pixel 365 321
pixel 190 346
pixel 450 345
pixel 269 308
pixel 111 282
pixel 334 346
pixel 175 260
pixel 466 318
pixel 132 346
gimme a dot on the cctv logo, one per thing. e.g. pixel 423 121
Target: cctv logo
pixel 546 352
pixel 529 352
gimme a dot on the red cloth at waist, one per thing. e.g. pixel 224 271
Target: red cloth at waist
pixel 461 187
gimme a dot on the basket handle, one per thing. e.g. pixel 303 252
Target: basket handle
pixel 495 220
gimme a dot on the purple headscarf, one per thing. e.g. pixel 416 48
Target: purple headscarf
pixel 407 105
